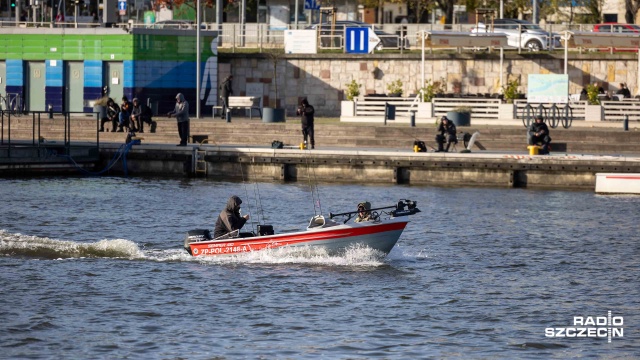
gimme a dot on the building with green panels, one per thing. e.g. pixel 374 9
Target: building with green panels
pixel 68 69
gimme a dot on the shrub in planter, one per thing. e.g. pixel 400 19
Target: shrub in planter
pixel 395 88
pixel 431 89
pixel 353 90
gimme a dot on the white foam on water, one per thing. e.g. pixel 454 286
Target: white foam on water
pixel 353 256
pixel 43 247
pixel 46 248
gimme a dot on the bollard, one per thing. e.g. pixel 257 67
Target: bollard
pixel 228 115
pixel 413 119
pixel 625 123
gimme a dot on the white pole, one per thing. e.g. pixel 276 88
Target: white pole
pixel 295 16
pixel 501 67
pixel 198 58
pixel 501 9
pixel 422 35
pixel 566 51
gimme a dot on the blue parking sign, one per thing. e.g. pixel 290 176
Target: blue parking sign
pixel 312 4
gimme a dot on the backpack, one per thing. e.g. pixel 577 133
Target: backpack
pixel 276 144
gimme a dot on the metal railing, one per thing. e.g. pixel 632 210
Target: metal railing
pixel 37 118
pixel 261 35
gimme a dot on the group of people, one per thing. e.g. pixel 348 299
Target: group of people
pixel 623 90
pixel 130 115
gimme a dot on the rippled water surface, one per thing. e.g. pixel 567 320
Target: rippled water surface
pixel 94 268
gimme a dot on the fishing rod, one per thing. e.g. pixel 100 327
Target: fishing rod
pixel 404 207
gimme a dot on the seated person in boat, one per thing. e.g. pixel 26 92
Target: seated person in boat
pixel 230 219
pixel 364 213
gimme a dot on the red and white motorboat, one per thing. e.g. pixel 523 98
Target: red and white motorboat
pixel 378 234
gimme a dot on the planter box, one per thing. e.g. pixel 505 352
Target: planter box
pixel 459 118
pixel 271 115
pixel 425 110
pixel 593 113
pixel 347 108
pixel 506 112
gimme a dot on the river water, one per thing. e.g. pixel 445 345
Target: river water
pixel 94 268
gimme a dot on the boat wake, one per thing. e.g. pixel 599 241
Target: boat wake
pixel 46 248
pixel 18 245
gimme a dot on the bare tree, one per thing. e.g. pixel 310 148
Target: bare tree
pixel 631 10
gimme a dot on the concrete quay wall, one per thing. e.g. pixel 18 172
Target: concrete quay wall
pixel 391 167
pixel 323 77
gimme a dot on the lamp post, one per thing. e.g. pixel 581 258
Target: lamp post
pixel 198 58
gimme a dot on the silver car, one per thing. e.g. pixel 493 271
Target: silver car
pixel 522 34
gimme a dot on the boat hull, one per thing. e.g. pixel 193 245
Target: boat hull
pixel 380 236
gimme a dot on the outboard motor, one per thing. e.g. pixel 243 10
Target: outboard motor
pixel 196 236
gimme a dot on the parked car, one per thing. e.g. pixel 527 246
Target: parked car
pixel 176 25
pixel 172 24
pixel 616 28
pixel 333 38
pixel 521 34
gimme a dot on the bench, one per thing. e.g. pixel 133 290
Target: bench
pixel 243 102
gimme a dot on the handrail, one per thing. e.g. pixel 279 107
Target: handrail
pixel 36 124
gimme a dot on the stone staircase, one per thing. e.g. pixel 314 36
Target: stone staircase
pixel 330 133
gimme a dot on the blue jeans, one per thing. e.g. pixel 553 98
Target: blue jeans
pixel 124 118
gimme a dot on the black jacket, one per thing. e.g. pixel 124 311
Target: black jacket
pixel 307 112
pixel 225 88
pixel 449 129
pixel 539 128
pixel 229 219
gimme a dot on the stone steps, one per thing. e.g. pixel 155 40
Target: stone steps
pixel 334 134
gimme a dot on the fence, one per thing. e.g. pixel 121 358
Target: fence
pixel 482 108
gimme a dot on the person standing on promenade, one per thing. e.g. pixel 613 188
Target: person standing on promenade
pixel 225 91
pixel 306 111
pixel 181 112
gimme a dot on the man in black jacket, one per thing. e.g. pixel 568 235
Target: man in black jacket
pixel 230 219
pixel 306 111
pixel 539 134
pixel 225 91
pixel 447 132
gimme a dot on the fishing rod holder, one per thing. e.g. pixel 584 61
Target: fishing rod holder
pixel 402 208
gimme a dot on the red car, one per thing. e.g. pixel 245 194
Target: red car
pixel 616 28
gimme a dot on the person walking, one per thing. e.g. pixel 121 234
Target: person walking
pixel 181 112
pixel 306 112
pixel 226 90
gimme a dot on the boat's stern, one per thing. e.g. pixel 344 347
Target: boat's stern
pixel 196 236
